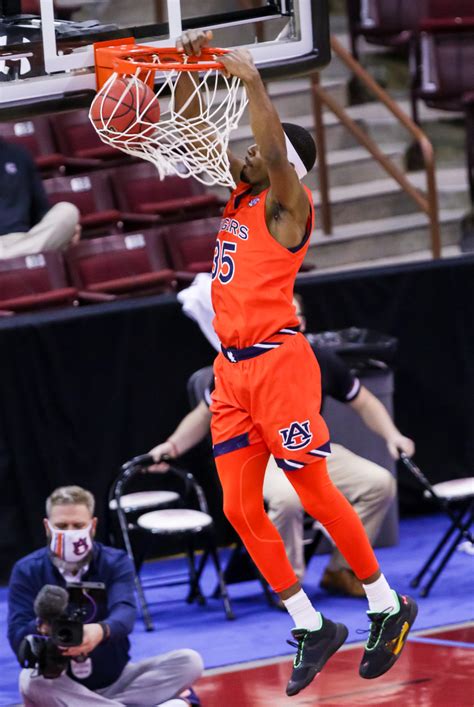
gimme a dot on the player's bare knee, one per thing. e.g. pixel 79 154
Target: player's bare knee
pixel 29 685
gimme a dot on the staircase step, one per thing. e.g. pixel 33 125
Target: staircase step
pixel 355 165
pixel 381 238
pixel 293 97
pixel 384 198
pixel 337 136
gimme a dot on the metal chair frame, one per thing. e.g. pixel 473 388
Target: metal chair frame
pixel 195 569
pixel 462 518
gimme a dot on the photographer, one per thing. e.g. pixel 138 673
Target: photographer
pixel 98 670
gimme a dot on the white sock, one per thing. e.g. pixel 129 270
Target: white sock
pixel 303 612
pixel 380 596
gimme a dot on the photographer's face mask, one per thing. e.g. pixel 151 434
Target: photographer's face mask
pixel 71 545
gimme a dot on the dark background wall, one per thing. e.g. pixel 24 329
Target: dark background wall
pixel 81 391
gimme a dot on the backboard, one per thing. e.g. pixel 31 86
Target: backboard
pixel 47 61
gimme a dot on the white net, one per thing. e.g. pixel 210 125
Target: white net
pixel 126 116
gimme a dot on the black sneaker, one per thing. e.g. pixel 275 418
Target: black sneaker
pixel 388 634
pixel 314 648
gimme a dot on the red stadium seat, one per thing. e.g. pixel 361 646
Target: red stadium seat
pixel 191 246
pixel 34 282
pixel 137 188
pixel 32 7
pixel 443 59
pixel 93 197
pixel 124 264
pixel 76 137
pixel 384 22
pixel 35 136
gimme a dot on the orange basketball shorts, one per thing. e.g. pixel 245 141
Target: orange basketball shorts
pixel 275 398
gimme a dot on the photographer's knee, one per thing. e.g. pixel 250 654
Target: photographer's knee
pixel 29 684
pixel 194 664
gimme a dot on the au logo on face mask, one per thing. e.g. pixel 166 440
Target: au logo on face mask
pixel 81 547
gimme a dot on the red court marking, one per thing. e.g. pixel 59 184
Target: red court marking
pixel 427 675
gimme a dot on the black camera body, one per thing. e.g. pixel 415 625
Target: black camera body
pixel 65 611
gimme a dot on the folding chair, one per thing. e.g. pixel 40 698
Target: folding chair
pixel 456 499
pixel 189 525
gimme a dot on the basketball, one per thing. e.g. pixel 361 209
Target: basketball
pixel 127 105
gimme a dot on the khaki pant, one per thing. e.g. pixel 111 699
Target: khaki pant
pixel 368 487
pixel 53 232
pixel 153 681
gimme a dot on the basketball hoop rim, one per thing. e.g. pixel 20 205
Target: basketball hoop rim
pixel 125 59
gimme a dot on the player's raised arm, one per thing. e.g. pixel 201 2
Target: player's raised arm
pixel 191 43
pixel 288 205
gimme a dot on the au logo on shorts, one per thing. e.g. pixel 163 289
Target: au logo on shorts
pixel 297 435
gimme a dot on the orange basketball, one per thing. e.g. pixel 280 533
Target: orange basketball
pixel 122 108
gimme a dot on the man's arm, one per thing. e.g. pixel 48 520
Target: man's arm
pixel 121 610
pixel 21 615
pixel 287 204
pixel 191 430
pixel 376 417
pixel 191 43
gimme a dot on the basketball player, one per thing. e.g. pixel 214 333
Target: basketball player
pixel 268 388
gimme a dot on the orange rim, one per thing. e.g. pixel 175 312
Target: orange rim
pixel 127 59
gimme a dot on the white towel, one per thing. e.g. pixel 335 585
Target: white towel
pixel 197 305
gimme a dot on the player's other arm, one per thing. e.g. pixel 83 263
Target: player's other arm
pixel 191 43
pixel 288 207
pixel 191 430
pixel 376 417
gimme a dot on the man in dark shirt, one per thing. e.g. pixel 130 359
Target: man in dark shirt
pixel 366 485
pixel 27 223
pixel 104 675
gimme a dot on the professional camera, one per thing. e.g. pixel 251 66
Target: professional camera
pixel 64 611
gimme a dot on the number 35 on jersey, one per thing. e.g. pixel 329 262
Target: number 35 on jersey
pixel 223 266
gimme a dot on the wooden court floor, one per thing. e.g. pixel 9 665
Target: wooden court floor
pixel 435 670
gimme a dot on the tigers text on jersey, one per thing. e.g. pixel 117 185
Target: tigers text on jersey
pixel 252 274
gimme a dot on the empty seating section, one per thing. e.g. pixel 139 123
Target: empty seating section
pixel 34 282
pixel 191 246
pixel 440 36
pixel 385 22
pixel 138 189
pixel 445 58
pixel 121 264
pixel 35 136
pixel 76 137
pixel 92 196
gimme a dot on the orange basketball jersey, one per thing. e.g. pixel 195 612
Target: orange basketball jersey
pixel 252 274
